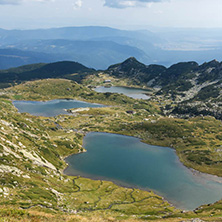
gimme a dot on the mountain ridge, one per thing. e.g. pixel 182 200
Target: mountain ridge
pixel 82 51
pixel 153 44
pixel 63 69
pixel 196 89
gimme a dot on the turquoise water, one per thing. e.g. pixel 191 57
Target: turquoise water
pixel 127 161
pixel 131 92
pixel 50 108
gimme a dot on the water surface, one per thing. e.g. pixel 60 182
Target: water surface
pixel 127 161
pixel 50 108
pixel 128 91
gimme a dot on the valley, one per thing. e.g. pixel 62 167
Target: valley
pixel 32 159
pixel 110 111
pixel 33 147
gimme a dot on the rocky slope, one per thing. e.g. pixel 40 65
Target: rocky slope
pixel 196 89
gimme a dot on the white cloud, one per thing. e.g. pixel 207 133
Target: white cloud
pixel 77 4
pixel 129 3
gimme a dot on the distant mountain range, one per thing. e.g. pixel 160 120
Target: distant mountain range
pixel 15 57
pixel 98 47
pixel 72 33
pixel 97 54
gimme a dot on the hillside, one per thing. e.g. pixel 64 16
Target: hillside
pixel 196 89
pixel 153 75
pixel 32 183
pixel 65 69
pixel 33 186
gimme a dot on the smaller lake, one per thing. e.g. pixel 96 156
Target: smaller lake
pixel 127 161
pixel 128 91
pixel 50 108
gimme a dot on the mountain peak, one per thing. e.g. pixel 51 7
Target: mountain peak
pixel 132 60
pixel 213 63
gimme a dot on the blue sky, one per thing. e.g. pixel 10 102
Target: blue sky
pixel 124 14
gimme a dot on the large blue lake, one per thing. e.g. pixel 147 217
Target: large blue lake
pixel 50 108
pixel 128 91
pixel 127 161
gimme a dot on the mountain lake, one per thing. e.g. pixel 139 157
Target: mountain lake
pixel 135 93
pixel 129 162
pixel 51 108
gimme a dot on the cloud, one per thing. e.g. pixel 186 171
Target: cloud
pixel 17 2
pixel 129 3
pixel 77 4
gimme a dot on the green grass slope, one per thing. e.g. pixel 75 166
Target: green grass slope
pixel 32 150
pixel 65 69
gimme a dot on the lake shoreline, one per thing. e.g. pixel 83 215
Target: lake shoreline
pixel 194 171
pixel 118 183
pixel 51 108
pixel 133 92
pixel 126 185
